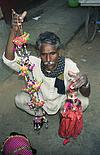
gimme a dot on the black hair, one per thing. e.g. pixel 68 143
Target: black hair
pixel 48 37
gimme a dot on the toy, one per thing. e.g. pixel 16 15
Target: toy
pixel 38 122
pixel 71 122
pixel 20 40
pixel 32 85
pixel 72 101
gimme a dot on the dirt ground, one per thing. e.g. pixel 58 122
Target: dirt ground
pixel 47 142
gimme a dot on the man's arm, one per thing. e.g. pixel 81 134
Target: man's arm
pixel 16 29
pixel 9 54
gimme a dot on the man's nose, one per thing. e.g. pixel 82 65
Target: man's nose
pixel 48 57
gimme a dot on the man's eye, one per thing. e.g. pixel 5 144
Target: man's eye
pixel 53 53
pixel 42 54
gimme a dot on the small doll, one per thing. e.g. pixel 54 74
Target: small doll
pixel 20 40
pixel 72 101
pixel 38 122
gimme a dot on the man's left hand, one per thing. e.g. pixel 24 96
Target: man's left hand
pixel 79 81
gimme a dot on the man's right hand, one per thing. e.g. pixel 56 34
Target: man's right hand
pixel 16 28
pixel 17 20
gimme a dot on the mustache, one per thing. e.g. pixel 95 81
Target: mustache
pixel 49 63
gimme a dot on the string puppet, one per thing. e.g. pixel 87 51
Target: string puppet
pixel 32 85
pixel 71 123
pixel 72 101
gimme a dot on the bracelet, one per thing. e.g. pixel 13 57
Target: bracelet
pixel 87 85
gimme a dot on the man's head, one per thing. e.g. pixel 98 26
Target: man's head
pixel 48 45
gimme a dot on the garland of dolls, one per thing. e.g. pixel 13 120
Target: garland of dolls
pixel 32 85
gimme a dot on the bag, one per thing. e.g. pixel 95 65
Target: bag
pixel 71 122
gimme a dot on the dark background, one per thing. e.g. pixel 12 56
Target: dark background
pixel 17 5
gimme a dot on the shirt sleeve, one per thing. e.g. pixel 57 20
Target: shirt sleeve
pixel 11 63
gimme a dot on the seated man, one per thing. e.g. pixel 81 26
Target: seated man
pixel 55 71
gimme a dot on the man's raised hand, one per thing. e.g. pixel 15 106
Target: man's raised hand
pixel 17 20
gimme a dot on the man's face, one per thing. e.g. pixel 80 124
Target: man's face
pixel 49 56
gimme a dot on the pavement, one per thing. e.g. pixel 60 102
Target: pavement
pixel 55 16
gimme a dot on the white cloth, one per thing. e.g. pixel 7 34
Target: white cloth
pixel 48 92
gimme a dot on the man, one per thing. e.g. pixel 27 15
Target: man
pixel 55 71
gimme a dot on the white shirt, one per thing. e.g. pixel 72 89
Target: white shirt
pixel 48 92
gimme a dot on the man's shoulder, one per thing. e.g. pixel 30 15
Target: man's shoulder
pixel 68 60
pixel 70 65
pixel 34 59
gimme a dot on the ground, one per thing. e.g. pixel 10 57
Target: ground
pixel 47 142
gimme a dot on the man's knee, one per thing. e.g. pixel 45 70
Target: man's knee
pixel 84 101
pixel 22 99
pixel 85 105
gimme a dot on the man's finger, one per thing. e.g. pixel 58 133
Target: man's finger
pixel 23 15
pixel 72 74
pixel 14 13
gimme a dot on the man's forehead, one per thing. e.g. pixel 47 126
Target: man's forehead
pixel 47 48
pixel 49 51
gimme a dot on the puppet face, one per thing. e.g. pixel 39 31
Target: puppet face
pixel 72 96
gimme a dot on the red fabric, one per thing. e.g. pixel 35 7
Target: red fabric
pixel 66 141
pixel 71 125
